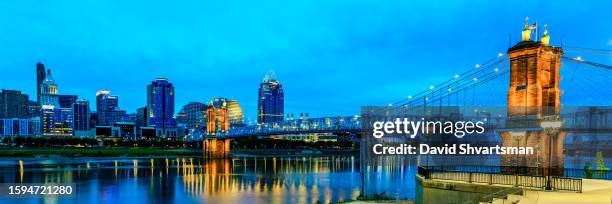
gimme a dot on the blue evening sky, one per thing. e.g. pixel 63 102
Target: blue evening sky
pixel 331 56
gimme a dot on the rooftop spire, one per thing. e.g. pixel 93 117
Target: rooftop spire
pixel 270 76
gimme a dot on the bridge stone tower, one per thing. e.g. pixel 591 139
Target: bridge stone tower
pixel 533 106
pixel 217 122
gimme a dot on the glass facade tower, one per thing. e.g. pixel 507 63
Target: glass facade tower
pixel 270 103
pixel 160 104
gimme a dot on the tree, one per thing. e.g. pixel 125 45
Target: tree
pixel 599 158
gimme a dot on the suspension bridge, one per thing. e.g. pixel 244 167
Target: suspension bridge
pixel 539 75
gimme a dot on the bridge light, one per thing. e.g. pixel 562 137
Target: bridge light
pixel 409 97
pixel 450 90
pixel 426 98
pixel 390 104
pixel 456 76
pixel 475 79
pixel 496 69
pixel 500 54
pixel 477 66
pixel 431 87
pixel 578 58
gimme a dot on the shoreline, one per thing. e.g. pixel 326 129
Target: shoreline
pixel 40 152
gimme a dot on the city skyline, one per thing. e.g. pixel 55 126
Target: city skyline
pixel 206 59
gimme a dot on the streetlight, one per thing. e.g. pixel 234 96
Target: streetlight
pixel 550 127
pixel 517 136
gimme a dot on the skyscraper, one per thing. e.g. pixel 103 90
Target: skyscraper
pixel 13 104
pixel 55 120
pixel 160 104
pixel 40 76
pixel 107 108
pixel 66 101
pixel 141 117
pixel 270 103
pixel 81 115
pixel 49 91
pixel 99 95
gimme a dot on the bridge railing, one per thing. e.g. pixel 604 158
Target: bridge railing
pixel 490 178
pixel 538 171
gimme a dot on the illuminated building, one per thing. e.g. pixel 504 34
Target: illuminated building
pixel 160 105
pixel 217 119
pixel 14 104
pixel 270 103
pixel 100 95
pixel 20 127
pixel 33 109
pixel 107 106
pixel 106 118
pixel 125 130
pixel 141 117
pixel 55 120
pixel 236 115
pixel 81 115
pixel 48 91
pixel 66 101
pixel 192 113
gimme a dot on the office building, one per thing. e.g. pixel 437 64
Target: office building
pixel 270 103
pixel 107 109
pixel 55 120
pixel 20 127
pixel 40 77
pixel 160 105
pixel 49 91
pixel 14 104
pixel 141 117
pixel 81 115
pixel 105 101
pixel 66 101
pixel 33 109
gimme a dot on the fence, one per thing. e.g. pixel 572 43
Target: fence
pixel 536 171
pixel 528 181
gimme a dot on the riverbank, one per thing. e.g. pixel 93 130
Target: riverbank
pixel 95 152
pixel 294 152
pixel 143 151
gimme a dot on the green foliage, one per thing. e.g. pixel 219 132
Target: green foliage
pixel 588 171
pixel 599 159
pixel 49 141
pixel 143 143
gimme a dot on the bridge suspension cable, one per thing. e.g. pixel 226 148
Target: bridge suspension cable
pixel 578 60
pixel 468 79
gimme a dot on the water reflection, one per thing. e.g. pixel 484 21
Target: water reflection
pixel 192 180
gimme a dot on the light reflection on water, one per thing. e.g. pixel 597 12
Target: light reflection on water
pixel 192 180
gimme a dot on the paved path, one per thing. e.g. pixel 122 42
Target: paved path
pixel 593 192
